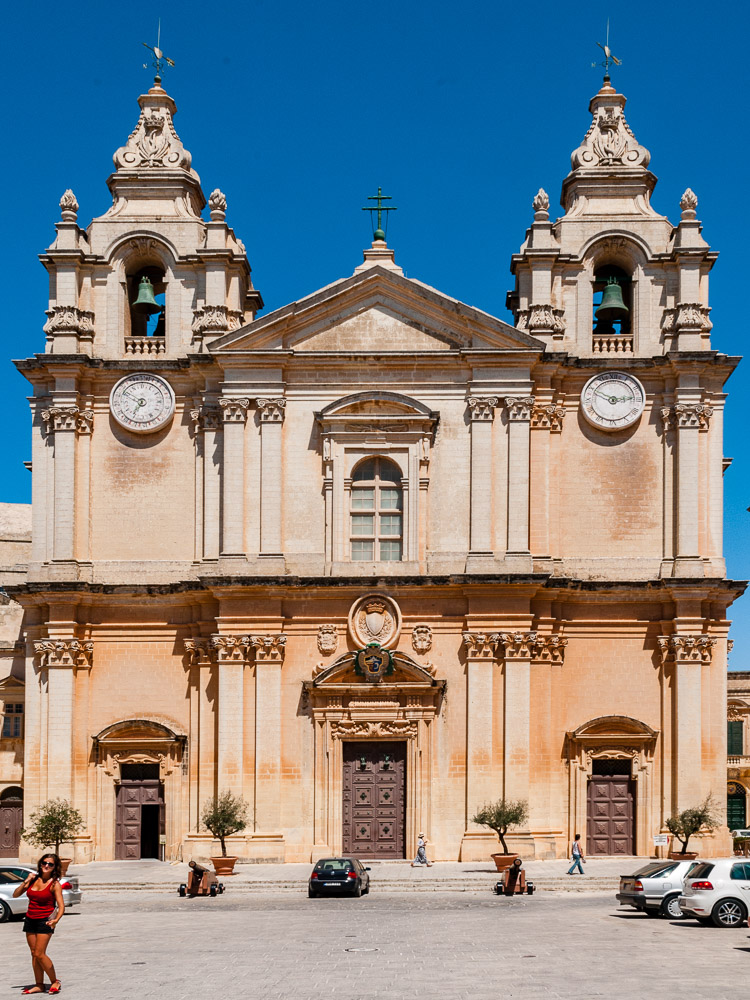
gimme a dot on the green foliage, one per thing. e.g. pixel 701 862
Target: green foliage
pixel 54 822
pixel 500 816
pixel 224 815
pixel 686 824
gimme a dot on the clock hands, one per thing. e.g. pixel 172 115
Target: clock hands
pixel 614 399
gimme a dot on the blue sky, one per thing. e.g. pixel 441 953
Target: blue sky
pixel 298 112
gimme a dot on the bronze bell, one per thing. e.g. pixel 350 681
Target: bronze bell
pixel 146 303
pixel 612 307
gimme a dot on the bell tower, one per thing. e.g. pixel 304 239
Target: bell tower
pixel 150 276
pixel 611 276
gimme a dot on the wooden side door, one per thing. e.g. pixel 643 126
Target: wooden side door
pixel 128 823
pixel 11 821
pixel 374 799
pixel 610 815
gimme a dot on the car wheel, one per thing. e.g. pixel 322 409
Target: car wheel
pixel 311 894
pixel 729 913
pixel 213 890
pixel 358 891
pixel 182 890
pixel 670 908
pixel 5 912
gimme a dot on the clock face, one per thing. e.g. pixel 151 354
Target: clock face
pixel 142 402
pixel 613 400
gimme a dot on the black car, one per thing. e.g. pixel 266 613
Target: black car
pixel 339 876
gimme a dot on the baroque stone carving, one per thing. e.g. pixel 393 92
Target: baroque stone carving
pixel 542 318
pixel 269 647
pixel 482 407
pixel 690 317
pixel 609 140
pixel 328 639
pixel 69 319
pixel 68 418
pixel 375 618
pixel 206 418
pixel 540 204
pixel 481 645
pixel 154 141
pixel 217 203
pixel 69 206
pixel 344 730
pixel 696 648
pixel 200 651
pixel 692 415
pixel 271 410
pixel 549 416
pixel 518 645
pixel 216 319
pixel 421 639
pixel 231 647
pixel 519 407
pixel 234 411
pixel 75 653
pixel 688 204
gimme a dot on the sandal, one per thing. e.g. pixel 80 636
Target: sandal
pixel 55 987
pixel 36 988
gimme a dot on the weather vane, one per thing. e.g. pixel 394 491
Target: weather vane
pixel 609 59
pixel 379 198
pixel 160 60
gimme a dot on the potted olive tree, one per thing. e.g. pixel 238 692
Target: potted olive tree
pixel 687 823
pixel 501 816
pixel 224 815
pixel 54 822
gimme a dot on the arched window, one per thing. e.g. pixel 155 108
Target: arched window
pixel 376 511
pixel 146 300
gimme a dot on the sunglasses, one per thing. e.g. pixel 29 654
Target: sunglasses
pixel 48 864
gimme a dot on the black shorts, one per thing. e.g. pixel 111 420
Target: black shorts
pixel 35 925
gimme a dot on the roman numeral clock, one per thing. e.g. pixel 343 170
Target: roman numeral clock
pixel 613 401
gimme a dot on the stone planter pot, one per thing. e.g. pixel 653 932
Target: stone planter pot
pixel 679 856
pixel 224 866
pixel 503 861
pixel 65 863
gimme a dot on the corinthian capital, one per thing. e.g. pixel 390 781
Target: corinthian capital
pixel 519 645
pixel 480 645
pixel 74 653
pixel 271 410
pixel 68 418
pixel 548 416
pixel 693 648
pixel 231 648
pixel 519 407
pixel 692 415
pixel 200 651
pixel 549 648
pixel 234 411
pixel 482 407
pixel 269 647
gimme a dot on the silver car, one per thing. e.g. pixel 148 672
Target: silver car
pixel 13 875
pixel 655 889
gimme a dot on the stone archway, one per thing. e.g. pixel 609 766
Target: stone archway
pixel 147 757
pixel 347 708
pixel 612 738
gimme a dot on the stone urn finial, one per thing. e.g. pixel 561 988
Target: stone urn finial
pixel 688 204
pixel 540 204
pixel 69 206
pixel 217 202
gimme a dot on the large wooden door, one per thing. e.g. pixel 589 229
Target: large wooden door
pixel 374 807
pixel 11 821
pixel 611 815
pixel 135 817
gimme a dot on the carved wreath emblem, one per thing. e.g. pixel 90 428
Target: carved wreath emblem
pixel 375 618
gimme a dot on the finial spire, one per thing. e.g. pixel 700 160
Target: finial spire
pixel 609 59
pixel 379 233
pixel 160 60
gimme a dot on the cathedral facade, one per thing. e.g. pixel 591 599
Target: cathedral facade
pixel 375 558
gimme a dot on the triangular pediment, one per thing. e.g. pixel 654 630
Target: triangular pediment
pixel 376 310
pixel 406 672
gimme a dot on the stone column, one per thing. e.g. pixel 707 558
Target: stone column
pixel 688 653
pixel 65 422
pixel 519 418
pixel 690 419
pixel 481 784
pixel 518 650
pixel 271 413
pixel 202 751
pixel 546 418
pixel 481 415
pixel 234 415
pixel 232 653
pixel 207 426
pixel 269 657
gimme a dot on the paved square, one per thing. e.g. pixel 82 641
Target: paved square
pixel 400 945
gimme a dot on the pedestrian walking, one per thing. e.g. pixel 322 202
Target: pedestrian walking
pixel 577 856
pixel 421 858
pixel 45 908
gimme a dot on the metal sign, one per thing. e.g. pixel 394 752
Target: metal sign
pixel 661 839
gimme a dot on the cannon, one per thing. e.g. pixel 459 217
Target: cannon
pixel 201 882
pixel 514 882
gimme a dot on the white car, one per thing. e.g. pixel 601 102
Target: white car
pixel 718 892
pixel 12 875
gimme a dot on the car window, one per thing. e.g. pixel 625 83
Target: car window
pixel 660 871
pixel 701 870
pixel 740 871
pixel 648 870
pixel 333 865
pixel 7 876
pixel 691 869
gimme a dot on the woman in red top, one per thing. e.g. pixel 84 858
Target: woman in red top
pixel 45 898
